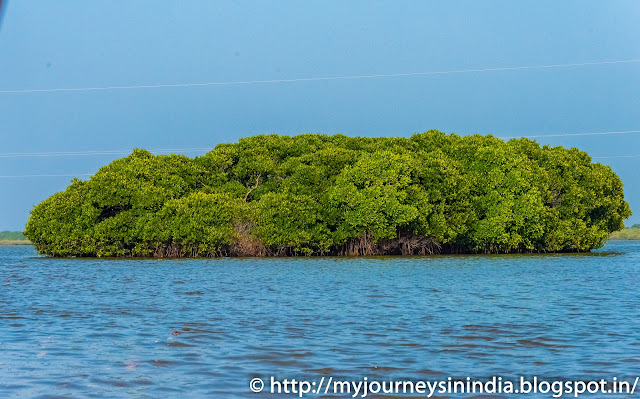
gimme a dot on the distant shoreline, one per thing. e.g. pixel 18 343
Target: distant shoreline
pixel 13 238
pixel 629 233
pixel 15 242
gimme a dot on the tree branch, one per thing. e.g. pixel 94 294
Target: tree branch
pixel 252 188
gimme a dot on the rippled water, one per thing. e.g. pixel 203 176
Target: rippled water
pixel 205 328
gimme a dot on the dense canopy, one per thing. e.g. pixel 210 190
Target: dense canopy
pixel 316 194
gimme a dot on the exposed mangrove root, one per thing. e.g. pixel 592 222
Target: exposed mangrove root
pixel 245 244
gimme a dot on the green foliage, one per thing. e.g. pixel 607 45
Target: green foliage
pixel 315 194
pixel 371 196
pixel 292 223
pixel 198 224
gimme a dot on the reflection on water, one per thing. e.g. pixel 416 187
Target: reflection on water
pixel 149 328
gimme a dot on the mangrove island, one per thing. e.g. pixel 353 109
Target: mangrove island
pixel 316 194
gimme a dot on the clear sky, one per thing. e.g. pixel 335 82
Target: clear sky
pixel 67 44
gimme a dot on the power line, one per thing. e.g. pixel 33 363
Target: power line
pixel 617 156
pixel 91 174
pixel 207 149
pixel 97 152
pixel 19 176
pixel 314 79
pixel 571 134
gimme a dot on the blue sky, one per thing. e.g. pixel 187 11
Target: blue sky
pixel 46 44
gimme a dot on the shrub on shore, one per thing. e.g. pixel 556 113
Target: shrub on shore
pixel 13 238
pixel 630 233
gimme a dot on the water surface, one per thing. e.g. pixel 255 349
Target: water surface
pixel 205 328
